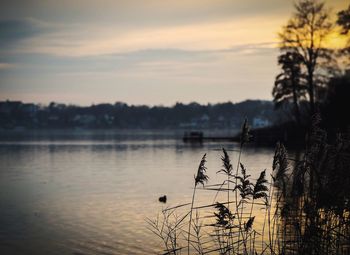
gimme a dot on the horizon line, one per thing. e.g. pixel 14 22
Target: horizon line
pixel 132 104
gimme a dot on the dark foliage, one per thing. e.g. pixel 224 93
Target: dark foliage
pixel 303 38
pixel 223 216
pixel 291 83
pixel 245 136
pixel 344 20
pixel 244 185
pixel 249 224
pixel 335 110
pixel 201 177
pixel 120 115
pixel 260 187
pixel 227 166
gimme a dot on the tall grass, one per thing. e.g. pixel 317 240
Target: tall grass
pixel 303 208
pixel 201 177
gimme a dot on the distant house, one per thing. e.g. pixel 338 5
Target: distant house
pixel 259 122
pixel 30 109
pixel 108 119
pixel 85 119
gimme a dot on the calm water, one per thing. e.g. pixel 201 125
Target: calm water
pixel 90 192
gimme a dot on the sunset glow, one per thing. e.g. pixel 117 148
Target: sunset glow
pixel 52 51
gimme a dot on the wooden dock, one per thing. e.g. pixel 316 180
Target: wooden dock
pixel 198 137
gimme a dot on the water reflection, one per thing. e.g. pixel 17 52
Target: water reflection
pixel 89 196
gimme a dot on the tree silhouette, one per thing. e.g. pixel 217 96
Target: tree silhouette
pixel 305 35
pixel 344 22
pixel 339 86
pixel 337 103
pixel 290 85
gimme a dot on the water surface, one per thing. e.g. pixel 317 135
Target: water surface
pixel 88 192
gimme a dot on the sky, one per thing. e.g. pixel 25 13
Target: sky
pixel 154 52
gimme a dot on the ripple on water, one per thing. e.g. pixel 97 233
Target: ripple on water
pixel 92 197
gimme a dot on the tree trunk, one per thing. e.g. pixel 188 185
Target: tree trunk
pixel 311 89
pixel 295 100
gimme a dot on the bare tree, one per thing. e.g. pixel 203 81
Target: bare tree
pixel 305 34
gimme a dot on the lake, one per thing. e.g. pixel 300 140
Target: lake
pixel 84 192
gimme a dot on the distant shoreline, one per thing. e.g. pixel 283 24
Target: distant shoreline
pixel 20 116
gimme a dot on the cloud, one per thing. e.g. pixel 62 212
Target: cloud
pixel 4 66
pixel 140 51
pixel 89 40
pixel 152 59
pixel 12 31
pixel 135 12
pixel 108 27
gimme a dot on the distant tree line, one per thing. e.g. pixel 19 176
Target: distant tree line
pixel 17 115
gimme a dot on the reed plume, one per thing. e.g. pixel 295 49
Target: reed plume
pixel 227 169
pixel 302 217
pixel 201 177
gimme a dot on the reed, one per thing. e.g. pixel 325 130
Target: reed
pixel 201 177
pixel 305 205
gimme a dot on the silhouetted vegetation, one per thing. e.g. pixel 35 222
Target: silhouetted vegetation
pixel 303 40
pixel 120 115
pixel 305 206
pixel 291 84
pixel 314 78
pixel 335 109
pixel 344 22
pixel 315 197
pixel 303 209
